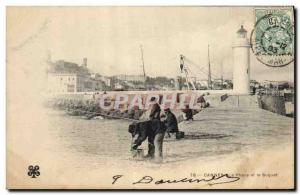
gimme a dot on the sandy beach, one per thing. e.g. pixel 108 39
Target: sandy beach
pixel 89 153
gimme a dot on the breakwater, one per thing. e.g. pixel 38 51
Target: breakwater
pixel 275 103
pixel 125 105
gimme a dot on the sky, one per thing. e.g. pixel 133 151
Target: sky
pixel 110 37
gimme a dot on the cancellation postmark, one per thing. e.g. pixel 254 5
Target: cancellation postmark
pixel 272 40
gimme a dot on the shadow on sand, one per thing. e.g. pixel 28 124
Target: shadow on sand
pixel 195 136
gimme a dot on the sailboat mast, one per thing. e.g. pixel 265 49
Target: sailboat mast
pixel 222 75
pixel 143 64
pixel 209 72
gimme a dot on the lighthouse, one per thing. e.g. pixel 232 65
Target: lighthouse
pixel 241 63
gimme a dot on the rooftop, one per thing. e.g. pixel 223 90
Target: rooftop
pixel 62 66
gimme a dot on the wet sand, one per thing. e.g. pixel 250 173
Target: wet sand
pixel 219 140
pixel 80 153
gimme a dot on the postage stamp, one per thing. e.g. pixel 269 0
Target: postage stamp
pixel 272 39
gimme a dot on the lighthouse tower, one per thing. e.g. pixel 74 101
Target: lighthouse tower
pixel 241 63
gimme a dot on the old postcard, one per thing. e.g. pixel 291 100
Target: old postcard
pixel 150 97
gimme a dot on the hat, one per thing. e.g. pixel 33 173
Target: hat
pixel 167 109
pixel 152 99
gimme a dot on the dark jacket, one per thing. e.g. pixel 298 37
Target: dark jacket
pixel 171 122
pixel 144 130
pixel 155 112
pixel 188 113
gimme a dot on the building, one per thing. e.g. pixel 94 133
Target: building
pixel 68 77
pixel 241 63
pixel 99 82
pixel 65 83
pixel 134 78
pixel 105 79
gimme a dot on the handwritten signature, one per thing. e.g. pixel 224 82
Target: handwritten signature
pixel 213 180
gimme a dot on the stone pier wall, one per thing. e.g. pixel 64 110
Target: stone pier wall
pixel 271 103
